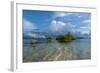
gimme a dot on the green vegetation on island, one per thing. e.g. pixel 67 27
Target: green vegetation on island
pixel 66 38
pixel 49 38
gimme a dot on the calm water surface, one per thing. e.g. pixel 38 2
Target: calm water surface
pixel 54 51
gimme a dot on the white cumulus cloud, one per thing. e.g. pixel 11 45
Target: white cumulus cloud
pixel 57 25
pixel 61 26
pixel 28 26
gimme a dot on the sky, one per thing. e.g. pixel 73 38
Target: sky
pixel 56 22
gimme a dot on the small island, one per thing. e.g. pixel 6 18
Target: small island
pixel 66 38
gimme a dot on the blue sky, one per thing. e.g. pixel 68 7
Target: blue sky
pixel 56 22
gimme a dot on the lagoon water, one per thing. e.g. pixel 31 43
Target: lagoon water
pixel 79 49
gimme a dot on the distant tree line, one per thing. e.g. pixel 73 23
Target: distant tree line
pixel 68 37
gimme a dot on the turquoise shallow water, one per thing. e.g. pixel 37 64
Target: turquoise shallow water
pixel 79 49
